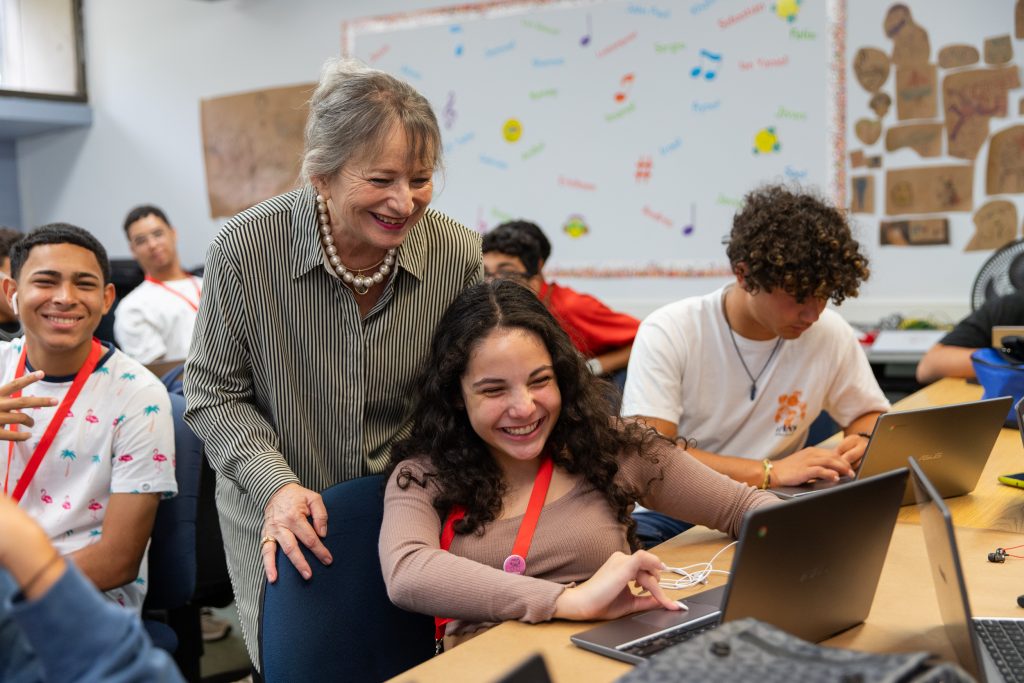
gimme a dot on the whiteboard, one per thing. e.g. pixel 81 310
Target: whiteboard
pixel 628 131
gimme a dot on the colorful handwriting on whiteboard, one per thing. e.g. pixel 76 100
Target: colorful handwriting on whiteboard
pixel 626 83
pixel 708 66
pixel 766 141
pixel 449 111
pixel 455 29
pixel 643 169
pixel 585 39
pixel 787 9
pixel 575 226
pixel 688 229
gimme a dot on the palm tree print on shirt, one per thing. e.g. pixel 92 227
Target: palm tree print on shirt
pixel 126 377
pixel 70 456
pixel 151 412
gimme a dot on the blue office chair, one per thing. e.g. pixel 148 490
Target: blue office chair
pixel 340 625
pixel 172 556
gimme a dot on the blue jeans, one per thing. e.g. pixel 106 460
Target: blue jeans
pixel 653 528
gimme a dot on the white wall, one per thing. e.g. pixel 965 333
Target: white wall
pixel 148 65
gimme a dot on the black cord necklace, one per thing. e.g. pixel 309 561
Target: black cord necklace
pixel 732 335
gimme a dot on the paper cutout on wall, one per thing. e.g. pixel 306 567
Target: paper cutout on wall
pixel 998 50
pixel 871 67
pixel 953 56
pixel 970 99
pixel 880 103
pixel 914 233
pixel 924 138
pixel 995 225
pixel 875 161
pixel 857 158
pixel 868 131
pixel 1020 107
pixel 252 144
pixel 1018 20
pixel 916 91
pixel 933 189
pixel 1005 172
pixel 910 41
pixel 862 194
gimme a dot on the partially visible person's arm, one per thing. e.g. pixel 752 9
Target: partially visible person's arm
pixel 945 361
pixel 114 559
pixel 219 391
pixel 614 360
pixel 856 436
pixel 799 467
pixel 76 634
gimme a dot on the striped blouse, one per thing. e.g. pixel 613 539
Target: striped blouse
pixel 286 383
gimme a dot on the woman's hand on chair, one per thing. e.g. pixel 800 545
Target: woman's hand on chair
pixel 607 595
pixel 285 520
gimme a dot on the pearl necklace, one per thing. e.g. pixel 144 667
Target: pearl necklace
pixel 359 283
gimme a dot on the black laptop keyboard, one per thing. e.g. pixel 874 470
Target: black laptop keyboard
pixel 1004 640
pixel 652 646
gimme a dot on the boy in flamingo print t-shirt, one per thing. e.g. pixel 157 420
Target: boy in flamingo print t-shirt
pixel 96 488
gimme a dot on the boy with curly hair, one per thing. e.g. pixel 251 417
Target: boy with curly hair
pixel 738 376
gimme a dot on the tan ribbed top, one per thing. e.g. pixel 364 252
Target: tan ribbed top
pixel 576 534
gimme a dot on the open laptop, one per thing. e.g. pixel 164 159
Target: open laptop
pixel 809 566
pixel 952 443
pixel 974 639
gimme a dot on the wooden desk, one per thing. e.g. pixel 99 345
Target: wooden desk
pixel 904 615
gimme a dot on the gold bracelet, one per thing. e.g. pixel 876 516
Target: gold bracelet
pixel 767 473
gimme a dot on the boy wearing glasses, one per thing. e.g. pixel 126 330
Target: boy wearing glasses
pixel 154 321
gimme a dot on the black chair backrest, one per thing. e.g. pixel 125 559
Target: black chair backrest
pixel 340 625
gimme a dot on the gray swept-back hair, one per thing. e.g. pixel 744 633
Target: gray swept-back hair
pixel 352 111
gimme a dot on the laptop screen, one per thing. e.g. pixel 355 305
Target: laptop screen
pixel 944 559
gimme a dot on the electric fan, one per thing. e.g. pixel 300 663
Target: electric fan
pixel 1002 273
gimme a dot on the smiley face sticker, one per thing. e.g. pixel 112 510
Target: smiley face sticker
pixel 512 130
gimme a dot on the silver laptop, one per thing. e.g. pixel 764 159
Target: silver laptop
pixel 990 649
pixel 809 566
pixel 952 443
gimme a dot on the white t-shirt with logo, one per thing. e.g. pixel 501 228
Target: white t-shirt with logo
pixel 152 324
pixel 684 369
pixel 118 438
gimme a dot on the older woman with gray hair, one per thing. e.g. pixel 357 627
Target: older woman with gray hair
pixel 318 307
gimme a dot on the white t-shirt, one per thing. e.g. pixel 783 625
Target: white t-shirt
pixel 118 438
pixel 684 369
pixel 153 324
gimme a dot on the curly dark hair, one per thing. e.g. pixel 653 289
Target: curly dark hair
pixel 512 239
pixel 798 243
pixel 585 440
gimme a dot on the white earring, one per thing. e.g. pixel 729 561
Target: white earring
pixel 14 303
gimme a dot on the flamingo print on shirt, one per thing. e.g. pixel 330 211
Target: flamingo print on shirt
pixel 159 458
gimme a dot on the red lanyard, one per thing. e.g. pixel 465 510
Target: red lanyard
pixel 58 419
pixel 516 562
pixel 193 305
